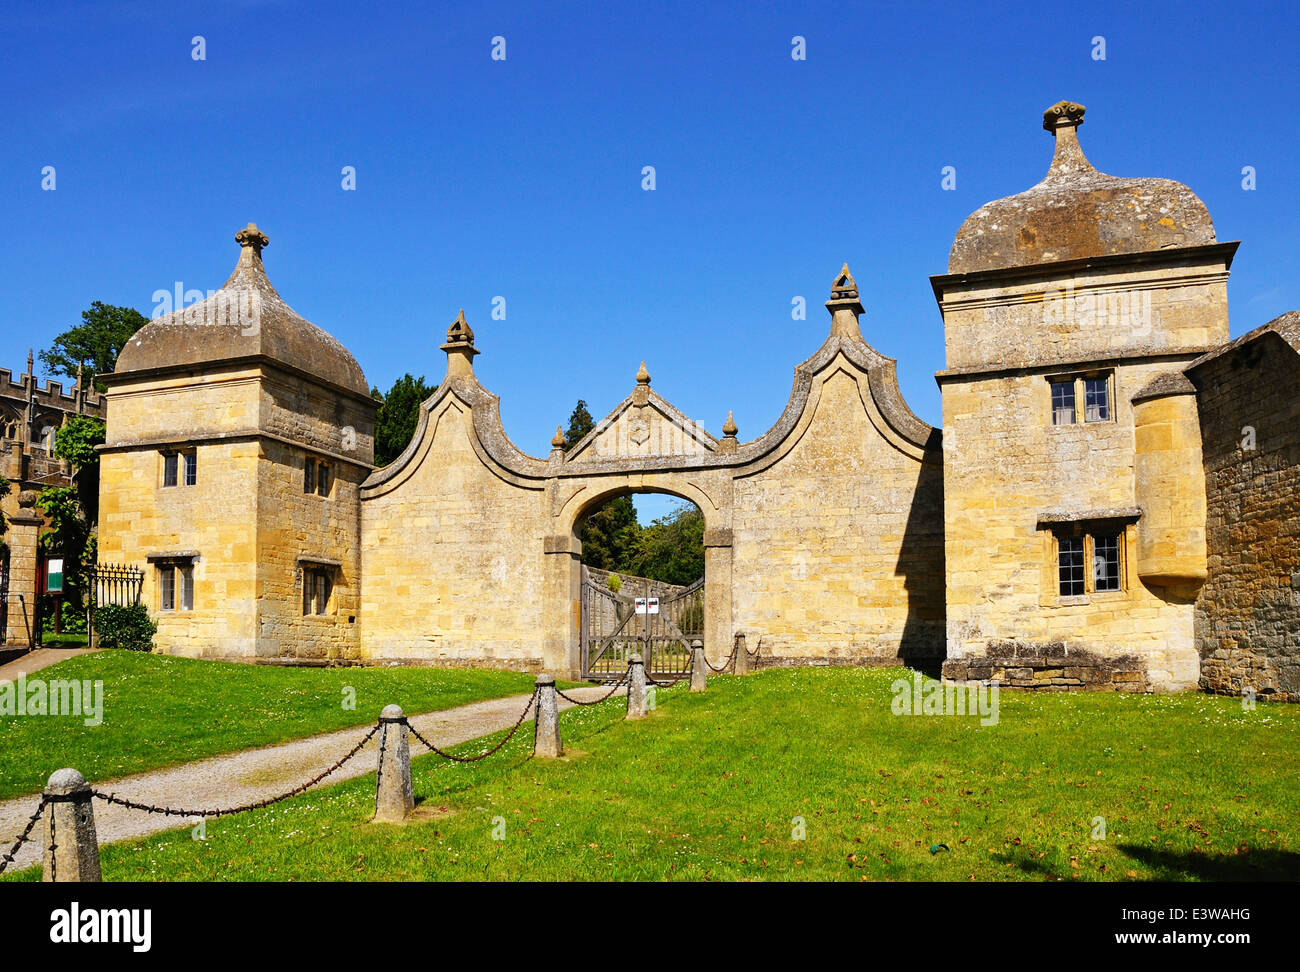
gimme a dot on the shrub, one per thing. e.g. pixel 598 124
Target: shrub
pixel 129 628
pixel 73 620
pixel 614 583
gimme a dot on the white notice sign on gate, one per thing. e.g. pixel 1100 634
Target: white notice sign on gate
pixel 643 608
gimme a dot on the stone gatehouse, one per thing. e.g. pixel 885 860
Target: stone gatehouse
pixel 1087 517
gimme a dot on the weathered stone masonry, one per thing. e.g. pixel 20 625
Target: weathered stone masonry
pixel 1086 519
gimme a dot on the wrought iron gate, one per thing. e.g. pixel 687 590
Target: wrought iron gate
pixel 658 627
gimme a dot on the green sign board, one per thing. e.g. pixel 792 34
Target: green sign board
pixel 54 575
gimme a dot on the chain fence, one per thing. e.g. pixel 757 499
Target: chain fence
pixel 726 664
pixel 242 808
pixel 24 836
pixel 604 698
pixel 112 798
pixel 483 755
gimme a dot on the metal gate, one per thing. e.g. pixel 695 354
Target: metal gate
pixel 118 584
pixel 659 627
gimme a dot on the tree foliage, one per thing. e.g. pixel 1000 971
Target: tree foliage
pixel 671 549
pixel 5 486
pixel 76 439
pixel 69 536
pixel 580 423
pixel 399 414
pixel 95 343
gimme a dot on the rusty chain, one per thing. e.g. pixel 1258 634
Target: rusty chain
pixel 256 805
pixel 726 664
pixel 668 684
pixel 608 695
pixel 25 835
pixel 484 755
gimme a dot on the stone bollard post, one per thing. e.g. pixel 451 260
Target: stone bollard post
pixel 636 701
pixel 741 665
pixel 71 847
pixel 699 667
pixel 546 729
pixel 394 796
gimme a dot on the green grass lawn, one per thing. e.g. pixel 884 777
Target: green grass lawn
pixel 709 787
pixel 159 710
pixel 63 641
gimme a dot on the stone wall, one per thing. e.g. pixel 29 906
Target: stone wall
pixel 246 525
pixel 839 543
pixel 1052 667
pixel 452 558
pixel 1012 477
pixel 215 520
pixel 1248 615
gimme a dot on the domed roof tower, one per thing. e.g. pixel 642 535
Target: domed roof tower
pixel 246 318
pixel 1076 212
pixel 1073 490
pixel 237 436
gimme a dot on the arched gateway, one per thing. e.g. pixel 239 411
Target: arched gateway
pixel 823 537
pixel 1093 413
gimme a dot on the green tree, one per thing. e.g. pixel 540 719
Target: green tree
pixel 580 423
pixel 609 533
pixel 671 549
pixel 76 439
pixel 399 413
pixel 69 536
pixel 95 343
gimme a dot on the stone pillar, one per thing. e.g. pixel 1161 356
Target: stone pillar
pixel 546 729
pixel 717 589
pixel 699 672
pixel 562 606
pixel 14 464
pixel 394 795
pixel 71 847
pixel 741 664
pixel 24 528
pixel 636 700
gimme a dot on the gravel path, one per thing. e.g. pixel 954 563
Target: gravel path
pixel 256 774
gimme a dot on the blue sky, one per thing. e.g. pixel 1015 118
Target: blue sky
pixel 522 178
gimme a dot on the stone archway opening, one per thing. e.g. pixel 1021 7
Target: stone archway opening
pixel 642 583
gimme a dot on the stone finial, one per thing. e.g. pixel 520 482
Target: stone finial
pixel 251 236
pixel 729 427
pixel 844 287
pixel 460 332
pixel 557 440
pixel 30 362
pixel 1063 114
pixel 641 393
pixel 27 499
pixel 845 306
pixel 460 347
pixel 1068 160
